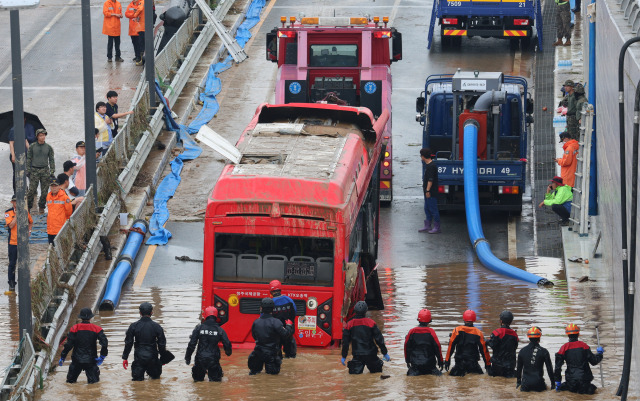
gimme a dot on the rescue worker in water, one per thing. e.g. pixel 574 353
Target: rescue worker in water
pixel 285 309
pixel 532 360
pixel 82 340
pixel 149 341
pixel 504 342
pixel 467 342
pixel 363 335
pixel 422 348
pixel 578 356
pixel 269 335
pixel 207 336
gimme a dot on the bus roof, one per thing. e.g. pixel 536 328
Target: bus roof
pixel 300 154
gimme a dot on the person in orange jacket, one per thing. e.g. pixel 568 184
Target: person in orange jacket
pixel 139 15
pixel 112 11
pixel 11 223
pixel 130 13
pixel 569 161
pixel 60 209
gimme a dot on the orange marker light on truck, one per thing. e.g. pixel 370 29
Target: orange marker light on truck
pixel 386 164
pixel 385 19
pixel 376 19
pixel 292 19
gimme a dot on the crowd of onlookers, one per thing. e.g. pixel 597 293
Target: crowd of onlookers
pixel 60 193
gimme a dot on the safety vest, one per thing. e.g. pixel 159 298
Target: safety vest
pixel 561 3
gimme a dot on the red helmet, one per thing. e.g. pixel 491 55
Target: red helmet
pixel 572 329
pixel 424 316
pixel 275 285
pixel 534 332
pixel 210 311
pixel 469 316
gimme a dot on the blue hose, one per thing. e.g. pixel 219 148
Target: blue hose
pixel 472 208
pixel 124 264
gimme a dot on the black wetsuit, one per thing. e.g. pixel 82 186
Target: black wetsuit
pixel 532 360
pixel 207 336
pixel 421 351
pixel 149 340
pixel 363 335
pixel 504 343
pixel 269 335
pixel 578 375
pixel 82 339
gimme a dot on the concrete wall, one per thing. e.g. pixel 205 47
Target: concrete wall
pixel 612 30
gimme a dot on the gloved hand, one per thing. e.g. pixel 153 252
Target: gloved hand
pixel 440 365
pixel 187 361
pixel 600 350
pixel 342 361
pixel 125 364
pixel 288 322
pixel 558 386
pixel 386 357
pixel 61 361
pixel 100 359
pixel 447 364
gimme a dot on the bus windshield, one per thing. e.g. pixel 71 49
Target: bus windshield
pixel 333 55
pixel 262 258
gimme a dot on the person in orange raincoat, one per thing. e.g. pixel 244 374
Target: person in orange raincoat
pixel 139 15
pixel 60 209
pixel 132 8
pixel 112 11
pixel 569 161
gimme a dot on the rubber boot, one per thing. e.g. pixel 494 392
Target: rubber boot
pixel 436 228
pixel 557 43
pixel 106 247
pixel 427 226
pixel 567 43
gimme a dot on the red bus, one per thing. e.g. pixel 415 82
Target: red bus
pixel 301 206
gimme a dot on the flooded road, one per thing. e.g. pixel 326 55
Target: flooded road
pixel 316 373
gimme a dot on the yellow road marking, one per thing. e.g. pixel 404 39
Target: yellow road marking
pixel 513 244
pixel 148 257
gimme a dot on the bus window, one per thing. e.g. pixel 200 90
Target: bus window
pixel 262 258
pixel 333 55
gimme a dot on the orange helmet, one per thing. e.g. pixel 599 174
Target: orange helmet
pixel 572 329
pixel 469 316
pixel 424 316
pixel 210 311
pixel 275 285
pixel 534 332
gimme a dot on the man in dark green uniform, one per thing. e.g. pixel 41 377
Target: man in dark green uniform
pixel 40 167
pixel 563 22
pixel 581 100
pixel 572 121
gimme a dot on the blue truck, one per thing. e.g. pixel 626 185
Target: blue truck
pixel 444 106
pixel 515 20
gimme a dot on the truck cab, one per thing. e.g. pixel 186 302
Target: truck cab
pixel 338 60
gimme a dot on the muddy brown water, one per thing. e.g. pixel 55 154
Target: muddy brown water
pixel 317 373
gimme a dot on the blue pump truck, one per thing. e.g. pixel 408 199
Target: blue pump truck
pixel 447 102
pixel 515 20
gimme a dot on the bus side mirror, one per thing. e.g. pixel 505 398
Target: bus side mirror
pixel 420 104
pixel 272 46
pixel 396 45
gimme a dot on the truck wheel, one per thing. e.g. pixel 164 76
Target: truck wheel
pixel 514 44
pixel 446 42
pixel 456 42
pixel 525 43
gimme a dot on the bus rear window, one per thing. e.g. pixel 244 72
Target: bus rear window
pixel 333 56
pixel 262 258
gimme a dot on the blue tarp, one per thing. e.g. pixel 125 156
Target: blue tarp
pixel 168 186
pixel 213 84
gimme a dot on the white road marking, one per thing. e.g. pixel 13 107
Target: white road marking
pixel 394 12
pixel 512 243
pixel 40 35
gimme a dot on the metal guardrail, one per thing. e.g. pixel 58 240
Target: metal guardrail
pixel 70 263
pixel 580 203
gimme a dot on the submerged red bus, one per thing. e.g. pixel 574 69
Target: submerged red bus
pixel 301 206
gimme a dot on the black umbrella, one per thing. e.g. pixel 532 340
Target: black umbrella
pixel 6 123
